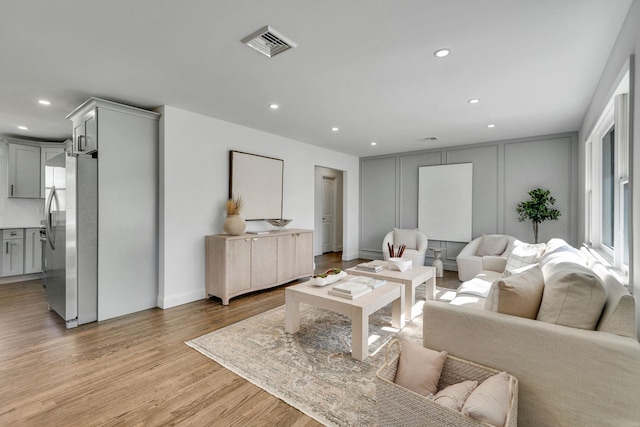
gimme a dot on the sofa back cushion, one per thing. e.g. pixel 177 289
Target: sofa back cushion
pixel 573 296
pixel 518 294
pixel 492 244
pixel 557 250
pixel 619 314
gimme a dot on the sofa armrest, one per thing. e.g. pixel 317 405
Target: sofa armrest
pixel 494 263
pixel 567 376
pixel 422 243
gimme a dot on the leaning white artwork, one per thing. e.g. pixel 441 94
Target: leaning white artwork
pixel 445 202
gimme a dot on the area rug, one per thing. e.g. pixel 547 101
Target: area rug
pixel 311 370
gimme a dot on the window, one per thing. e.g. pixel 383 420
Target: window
pixel 607 203
pixel 608 185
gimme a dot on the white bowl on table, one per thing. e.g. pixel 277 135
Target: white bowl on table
pixel 400 264
pixel 324 281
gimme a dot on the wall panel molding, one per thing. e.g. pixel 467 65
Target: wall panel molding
pixel 502 171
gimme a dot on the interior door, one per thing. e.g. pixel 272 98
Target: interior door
pixel 328 213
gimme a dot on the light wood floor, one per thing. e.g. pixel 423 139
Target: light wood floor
pixel 133 370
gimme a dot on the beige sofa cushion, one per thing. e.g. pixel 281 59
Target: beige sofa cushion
pixel 492 244
pixel 419 368
pixel 618 316
pixel 573 296
pixel 455 395
pixel 490 401
pixel 518 295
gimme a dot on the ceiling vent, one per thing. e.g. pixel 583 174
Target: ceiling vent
pixel 428 138
pixel 268 41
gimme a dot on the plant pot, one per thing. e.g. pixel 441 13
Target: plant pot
pixel 234 225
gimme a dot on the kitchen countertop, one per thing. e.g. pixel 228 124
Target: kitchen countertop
pixel 4 227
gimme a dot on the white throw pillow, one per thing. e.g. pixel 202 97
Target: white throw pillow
pixel 524 254
pixel 492 244
pixel 405 237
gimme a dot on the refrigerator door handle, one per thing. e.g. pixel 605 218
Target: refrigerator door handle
pixel 47 219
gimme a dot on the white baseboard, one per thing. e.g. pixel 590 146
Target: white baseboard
pixel 349 257
pixel 181 298
pixel 20 278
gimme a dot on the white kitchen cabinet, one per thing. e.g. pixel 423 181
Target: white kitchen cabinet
pixel 12 252
pixel 236 265
pixel 24 171
pixel 32 251
pixel 47 173
pixel 85 136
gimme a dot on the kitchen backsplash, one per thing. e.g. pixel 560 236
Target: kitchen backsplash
pixel 28 212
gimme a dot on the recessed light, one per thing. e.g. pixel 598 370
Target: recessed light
pixel 473 101
pixel 44 102
pixel 23 128
pixel 274 106
pixel 491 125
pixel 335 129
pixel 441 53
pixel 374 143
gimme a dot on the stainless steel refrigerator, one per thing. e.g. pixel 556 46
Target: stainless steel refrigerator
pixel 71 227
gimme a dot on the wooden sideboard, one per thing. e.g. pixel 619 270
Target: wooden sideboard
pixel 236 265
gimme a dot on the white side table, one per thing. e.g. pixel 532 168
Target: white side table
pixel 437 262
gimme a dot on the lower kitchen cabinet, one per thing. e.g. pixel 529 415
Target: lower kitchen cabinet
pixel 32 251
pixel 12 252
pixel 236 265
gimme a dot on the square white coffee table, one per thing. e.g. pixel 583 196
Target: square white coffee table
pixel 411 279
pixel 357 309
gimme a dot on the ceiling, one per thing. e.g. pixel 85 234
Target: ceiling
pixel 364 66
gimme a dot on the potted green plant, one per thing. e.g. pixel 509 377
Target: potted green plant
pixel 537 209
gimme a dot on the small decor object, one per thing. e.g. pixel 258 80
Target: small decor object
pixel 280 223
pixel 537 209
pixel 400 264
pixel 392 252
pixel 332 275
pixel 370 267
pixel 369 281
pixel 234 224
pixel 437 261
pixel 350 289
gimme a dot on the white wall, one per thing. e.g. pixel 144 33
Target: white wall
pixel 627 44
pixel 194 185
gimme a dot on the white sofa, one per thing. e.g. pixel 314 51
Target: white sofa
pixel 568 376
pixel 415 240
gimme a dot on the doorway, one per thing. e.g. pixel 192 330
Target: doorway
pixel 328 211
pixel 328 214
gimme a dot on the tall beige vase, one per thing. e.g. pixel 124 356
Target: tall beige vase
pixel 234 225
